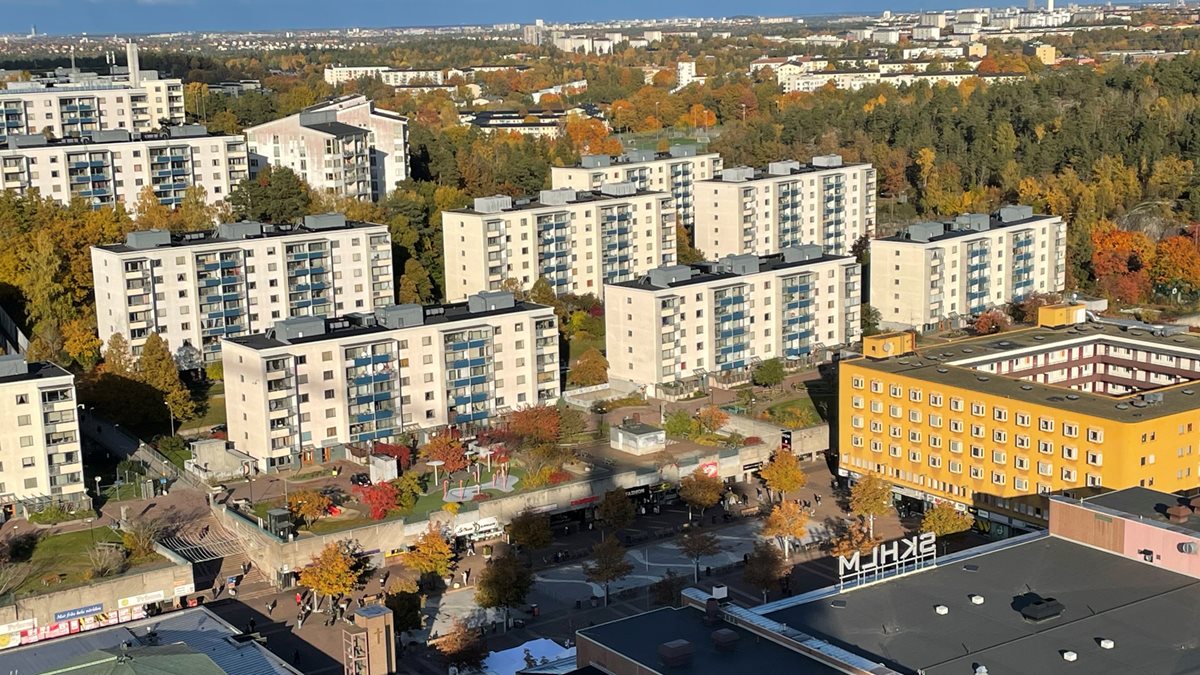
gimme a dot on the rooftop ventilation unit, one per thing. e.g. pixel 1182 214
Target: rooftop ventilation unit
pixel 941 609
pixel 1107 643
pixel 725 639
pixel 675 653
pixel 976 599
pixel 1069 655
pixel 1179 513
pixel 1042 609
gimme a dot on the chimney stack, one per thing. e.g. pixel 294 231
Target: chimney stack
pixel 131 61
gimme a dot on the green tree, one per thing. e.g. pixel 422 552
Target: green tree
pixel 276 195
pixel 462 646
pixel 685 253
pixel 700 491
pixel 697 545
pixel 943 519
pixel 769 373
pixel 530 531
pixel 668 591
pixel 118 360
pixel 871 496
pixel 764 567
pixel 679 424
pixel 608 564
pixel 542 293
pixel 616 510
pixel 784 474
pixel 157 368
pixel 503 584
pixel 869 319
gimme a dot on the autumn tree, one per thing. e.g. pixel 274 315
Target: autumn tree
pixel 504 583
pixel 415 284
pixel 380 498
pixel 118 360
pixel 991 321
pixel 943 519
pixel 697 545
pixel 679 424
pixel 1176 267
pixel 616 510
pixel 334 571
pixel 608 564
pixel 446 448
pixel 590 369
pixel 668 590
pixel 157 368
pixel 711 419
pixel 590 136
pixel 685 253
pixel 534 424
pixel 152 214
pixel 1121 262
pixel 871 496
pixel 1026 309
pixel 784 474
pixel 530 531
pixel 462 646
pixel 308 505
pixel 856 538
pixel 429 554
pixel 786 522
pixel 275 195
pixel 765 566
pixel 700 491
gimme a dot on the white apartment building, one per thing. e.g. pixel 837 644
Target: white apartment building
pixel 936 272
pixel 135 101
pixel 396 77
pixel 40 458
pixel 675 171
pixel 345 146
pixel 681 326
pixel 309 386
pixel 105 168
pixel 241 278
pixel 827 203
pixel 576 240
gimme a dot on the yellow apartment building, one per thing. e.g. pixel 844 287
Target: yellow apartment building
pixel 995 423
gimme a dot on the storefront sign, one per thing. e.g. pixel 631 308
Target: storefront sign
pixel 752 466
pixel 585 500
pixel 10 633
pixel 143 599
pixel 710 469
pixel 639 491
pixel 185 589
pixel 79 612
pixel 892 555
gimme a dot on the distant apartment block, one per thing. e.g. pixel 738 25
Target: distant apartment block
pixel 241 278
pixel 39 438
pixel 675 172
pixel 576 240
pixel 827 203
pixel 934 272
pixel 77 104
pixel 336 75
pixel 345 146
pixel 683 326
pixel 306 388
pixel 105 168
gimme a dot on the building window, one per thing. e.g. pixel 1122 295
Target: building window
pixel 914 456
pixel 978 409
pixel 1070 430
pixel 977 452
pixel 956 404
pixel 1000 436
pixel 1068 474
pixel 1045 424
pixel 1021 462
pixel 1094 458
pixel 856 382
pixel 896 391
pixel 956 426
pixel 935 400
pixel 935 461
pixel 1021 484
pixel 955 466
pixel 998 478
pixel 1045 468
pixel 977 472
pixel 1095 435
pixel 1046 447
pixel 1022 419
pixel 914 395
pixel 1069 452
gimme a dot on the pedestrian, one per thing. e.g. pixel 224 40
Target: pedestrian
pixel 204 532
pixel 216 591
pixel 295 656
pixel 466 575
pixel 233 591
pixel 471 548
pixel 300 620
pixel 299 599
pixel 271 607
pixel 759 492
pixel 817 498
pixel 253 625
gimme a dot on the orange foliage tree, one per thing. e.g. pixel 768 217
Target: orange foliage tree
pixel 590 136
pixel 991 321
pixel 535 424
pixel 712 418
pixel 1177 263
pixel 448 449
pixel 1121 261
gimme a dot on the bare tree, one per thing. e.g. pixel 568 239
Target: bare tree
pixel 106 559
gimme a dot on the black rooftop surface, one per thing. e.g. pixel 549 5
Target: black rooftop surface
pixel 338 129
pixel 994 223
pixel 434 315
pixel 37 370
pixel 638 638
pixel 1146 504
pixel 1151 615
pixel 767 263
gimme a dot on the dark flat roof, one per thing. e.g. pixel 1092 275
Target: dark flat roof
pixel 269 231
pixel 38 370
pixel 434 315
pixel 1145 504
pixel 638 638
pixel 338 129
pixel 767 263
pixel 1150 614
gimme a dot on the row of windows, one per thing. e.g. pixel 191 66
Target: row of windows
pixel 999 457
pixel 992 475
pixel 1022 419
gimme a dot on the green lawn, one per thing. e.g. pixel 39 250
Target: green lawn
pixel 794 412
pixel 177 456
pixel 579 346
pixel 66 555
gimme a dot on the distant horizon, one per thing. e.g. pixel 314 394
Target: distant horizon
pixel 142 17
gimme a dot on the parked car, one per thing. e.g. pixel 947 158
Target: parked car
pixel 360 480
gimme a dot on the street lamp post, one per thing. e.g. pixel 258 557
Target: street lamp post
pixel 171 413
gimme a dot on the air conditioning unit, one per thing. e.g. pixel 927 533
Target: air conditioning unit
pixel 1188 547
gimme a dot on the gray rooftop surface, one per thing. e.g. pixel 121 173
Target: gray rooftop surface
pixel 1150 613
pixel 638 638
pixel 955 231
pixel 581 197
pixel 705 273
pixel 199 628
pixel 924 365
pixel 1146 504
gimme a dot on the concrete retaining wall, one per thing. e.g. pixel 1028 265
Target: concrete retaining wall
pixel 108 593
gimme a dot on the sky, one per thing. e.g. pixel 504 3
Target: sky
pixel 147 16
